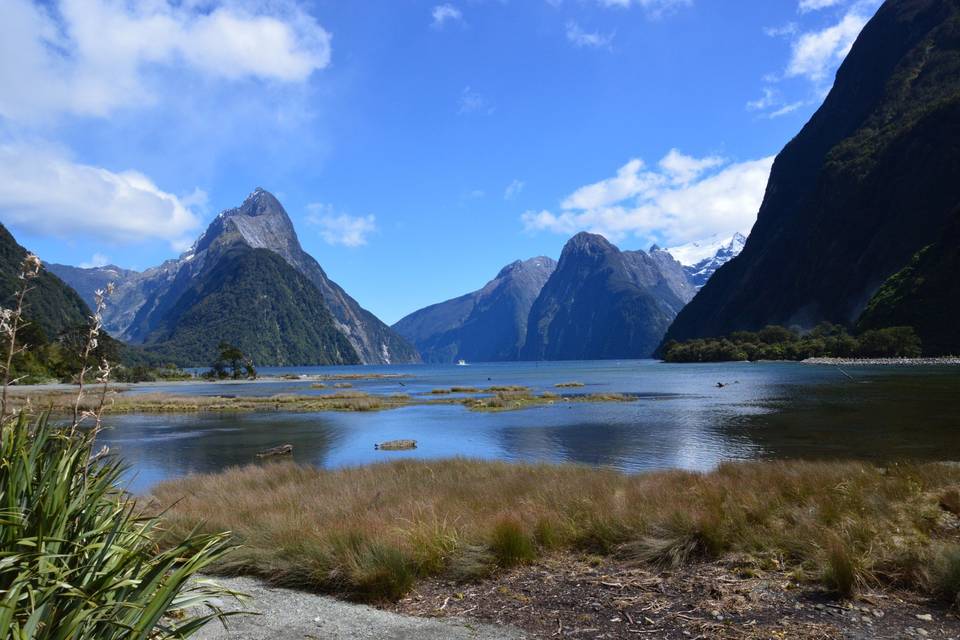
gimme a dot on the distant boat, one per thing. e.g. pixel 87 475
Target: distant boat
pixel 461 363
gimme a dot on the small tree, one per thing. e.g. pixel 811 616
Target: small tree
pixel 231 363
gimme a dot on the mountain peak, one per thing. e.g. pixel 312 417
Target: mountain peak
pixel 260 202
pixel 589 244
pixel 702 258
pixel 531 264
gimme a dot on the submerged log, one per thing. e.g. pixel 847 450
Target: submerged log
pixel 282 450
pixel 396 445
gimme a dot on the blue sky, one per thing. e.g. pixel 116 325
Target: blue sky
pixel 417 146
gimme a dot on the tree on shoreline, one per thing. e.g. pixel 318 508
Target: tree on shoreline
pixel 232 363
pixel 780 343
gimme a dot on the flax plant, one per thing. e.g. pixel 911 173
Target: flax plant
pixel 77 560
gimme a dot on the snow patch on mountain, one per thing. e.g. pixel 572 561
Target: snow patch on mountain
pixel 702 258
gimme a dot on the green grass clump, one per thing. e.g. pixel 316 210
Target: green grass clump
pixel 76 560
pixel 511 544
pixel 942 572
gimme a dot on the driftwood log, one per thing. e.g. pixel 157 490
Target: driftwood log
pixel 396 445
pixel 282 450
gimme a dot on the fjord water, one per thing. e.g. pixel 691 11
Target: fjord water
pixel 680 419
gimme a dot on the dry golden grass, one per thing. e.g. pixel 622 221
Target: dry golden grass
pixel 523 399
pixel 370 532
pixel 342 400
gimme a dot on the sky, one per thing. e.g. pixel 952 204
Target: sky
pixel 418 146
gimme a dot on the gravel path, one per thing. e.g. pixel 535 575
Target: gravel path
pixel 295 615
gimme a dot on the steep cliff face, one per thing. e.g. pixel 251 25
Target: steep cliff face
pixel 53 305
pixel 488 325
pixel 253 299
pixel 869 181
pixel 924 295
pixel 601 302
pixel 143 302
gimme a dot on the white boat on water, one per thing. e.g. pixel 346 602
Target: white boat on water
pixel 461 363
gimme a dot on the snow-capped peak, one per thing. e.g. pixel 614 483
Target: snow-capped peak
pixel 693 252
pixel 702 258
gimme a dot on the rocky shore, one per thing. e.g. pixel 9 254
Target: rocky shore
pixel 893 362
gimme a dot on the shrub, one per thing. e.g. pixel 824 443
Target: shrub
pixel 73 549
pixel 77 561
pixel 942 574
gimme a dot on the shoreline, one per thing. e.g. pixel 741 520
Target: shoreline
pixel 887 362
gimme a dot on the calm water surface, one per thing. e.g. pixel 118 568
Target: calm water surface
pixel 681 419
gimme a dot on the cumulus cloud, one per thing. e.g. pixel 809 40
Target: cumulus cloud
pixel 444 13
pixel 684 199
pixel 44 192
pixel 92 57
pixel 592 39
pixel 340 228
pixel 682 169
pixel 816 53
pixel 513 189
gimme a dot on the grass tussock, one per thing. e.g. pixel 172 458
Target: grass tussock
pixel 369 532
pixel 512 400
pixel 341 400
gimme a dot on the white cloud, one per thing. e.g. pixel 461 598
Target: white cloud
pixel 98 260
pixel 788 29
pixel 653 7
pixel 813 5
pixel 513 189
pixel 444 13
pixel 816 53
pixel 629 182
pixel 592 39
pixel 340 228
pixel 682 169
pixel 92 57
pixel 772 103
pixel 770 98
pixel 785 109
pixel 687 199
pixel 45 192
pixel 473 102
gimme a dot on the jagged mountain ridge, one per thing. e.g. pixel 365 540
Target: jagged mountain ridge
pixel 602 303
pixel 487 325
pixel 87 280
pixel 701 259
pixel 868 182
